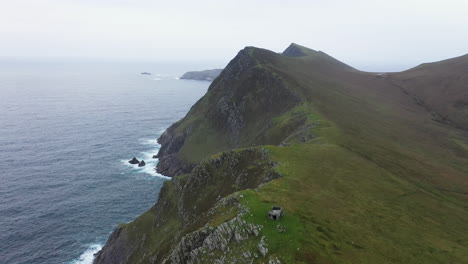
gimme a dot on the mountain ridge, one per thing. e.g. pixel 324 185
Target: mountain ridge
pixel 365 170
pixel 226 116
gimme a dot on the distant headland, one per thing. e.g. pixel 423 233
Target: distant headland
pixel 206 75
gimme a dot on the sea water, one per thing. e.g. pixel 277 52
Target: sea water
pixel 67 130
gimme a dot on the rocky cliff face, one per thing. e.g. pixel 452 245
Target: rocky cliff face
pixel 227 116
pixel 171 142
pixel 376 157
pixel 182 225
pixel 200 246
pixel 251 103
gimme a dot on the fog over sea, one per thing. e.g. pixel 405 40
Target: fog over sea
pixel 67 129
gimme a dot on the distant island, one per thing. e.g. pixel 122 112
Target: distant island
pixel 145 73
pixel 206 75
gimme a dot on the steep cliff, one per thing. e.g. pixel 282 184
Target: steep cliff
pixel 227 116
pixel 186 204
pixel 364 171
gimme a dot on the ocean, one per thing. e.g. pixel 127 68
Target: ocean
pixel 67 130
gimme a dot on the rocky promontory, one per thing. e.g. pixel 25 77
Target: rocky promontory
pixel 206 75
pixel 176 230
pixel 360 166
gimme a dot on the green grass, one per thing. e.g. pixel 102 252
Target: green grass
pixel 222 215
pixel 341 208
pixel 284 244
pixel 379 181
pixel 144 238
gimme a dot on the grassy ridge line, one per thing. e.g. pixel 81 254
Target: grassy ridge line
pixel 441 87
pixel 378 121
pixel 376 179
pixel 345 208
pixel 341 208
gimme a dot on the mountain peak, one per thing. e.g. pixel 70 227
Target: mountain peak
pixel 296 50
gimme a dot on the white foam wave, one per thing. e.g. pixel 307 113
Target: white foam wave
pixel 152 171
pixel 150 166
pixel 162 76
pixel 147 156
pixel 87 257
pixel 152 142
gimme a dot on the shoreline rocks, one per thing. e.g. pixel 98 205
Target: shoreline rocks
pixel 134 161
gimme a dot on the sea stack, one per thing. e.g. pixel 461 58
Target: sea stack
pixel 134 161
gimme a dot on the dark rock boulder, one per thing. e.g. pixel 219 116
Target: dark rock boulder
pixel 134 161
pixel 142 163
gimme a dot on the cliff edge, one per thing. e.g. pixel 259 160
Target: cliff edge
pixel 367 168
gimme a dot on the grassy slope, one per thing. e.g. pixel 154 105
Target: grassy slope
pixel 380 182
pixel 341 208
pixel 441 86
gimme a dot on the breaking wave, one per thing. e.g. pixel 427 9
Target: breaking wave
pixel 87 257
pixel 147 156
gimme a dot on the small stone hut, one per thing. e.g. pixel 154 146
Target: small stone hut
pixel 276 213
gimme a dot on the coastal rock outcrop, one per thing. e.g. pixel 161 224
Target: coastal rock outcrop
pixel 178 224
pixel 198 246
pixel 142 163
pixel 134 161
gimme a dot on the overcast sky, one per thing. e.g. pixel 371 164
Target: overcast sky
pixel 367 34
